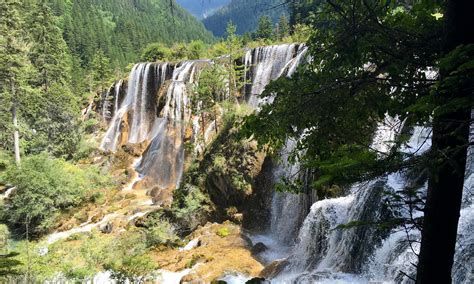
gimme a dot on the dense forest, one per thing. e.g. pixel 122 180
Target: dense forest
pixel 245 15
pixel 121 29
pixel 306 141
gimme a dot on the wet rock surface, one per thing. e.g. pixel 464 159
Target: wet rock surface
pixel 258 248
pixel 216 255
pixel 273 269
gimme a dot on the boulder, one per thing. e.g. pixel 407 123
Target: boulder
pixel 161 197
pixel 107 228
pixel 237 218
pixel 192 278
pixel 258 248
pixel 257 280
pixel 273 269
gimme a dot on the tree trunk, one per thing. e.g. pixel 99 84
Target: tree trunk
pixel 203 132
pixel 16 134
pixel 28 259
pixel 450 141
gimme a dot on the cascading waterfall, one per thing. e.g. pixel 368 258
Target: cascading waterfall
pixel 264 64
pixel 153 106
pixel 155 109
pixel 146 112
pixel 288 210
pixel 133 117
pixel 368 253
pixel 163 160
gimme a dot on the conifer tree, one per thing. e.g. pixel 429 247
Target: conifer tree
pixel 55 119
pixel 265 28
pixel 13 64
pixel 283 27
pixel 49 53
pixel 233 45
pixel 101 72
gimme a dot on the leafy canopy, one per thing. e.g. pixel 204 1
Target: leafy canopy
pixel 368 59
pixel 44 187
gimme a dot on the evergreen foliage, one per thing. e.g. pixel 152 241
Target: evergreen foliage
pixel 245 14
pixel 123 28
pixel 101 73
pixel 283 28
pixel 265 28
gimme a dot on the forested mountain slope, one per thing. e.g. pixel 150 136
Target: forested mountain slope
pixel 202 8
pixel 244 14
pixel 121 28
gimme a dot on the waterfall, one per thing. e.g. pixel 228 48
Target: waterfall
pixel 110 100
pixel 262 65
pixel 135 115
pixel 370 253
pixel 267 63
pixel 397 254
pixel 323 249
pixel 155 108
pixel 288 210
pixel 163 161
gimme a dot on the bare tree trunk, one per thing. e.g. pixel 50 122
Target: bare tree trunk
pixel 203 132
pixel 28 267
pixel 450 141
pixel 16 134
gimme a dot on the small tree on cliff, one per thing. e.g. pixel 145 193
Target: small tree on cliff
pixel 234 46
pixel 210 90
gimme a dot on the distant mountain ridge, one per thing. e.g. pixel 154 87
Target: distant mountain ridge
pixel 202 8
pixel 244 14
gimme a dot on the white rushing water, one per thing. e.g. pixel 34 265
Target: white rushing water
pixel 83 228
pixel 262 65
pixel 267 63
pixel 325 254
pixel 150 112
pixel 137 110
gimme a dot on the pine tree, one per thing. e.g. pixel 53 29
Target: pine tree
pixel 283 27
pixel 101 73
pixel 54 118
pixel 49 53
pixel 233 45
pixel 210 90
pixel 13 64
pixel 265 28
pixel 451 122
